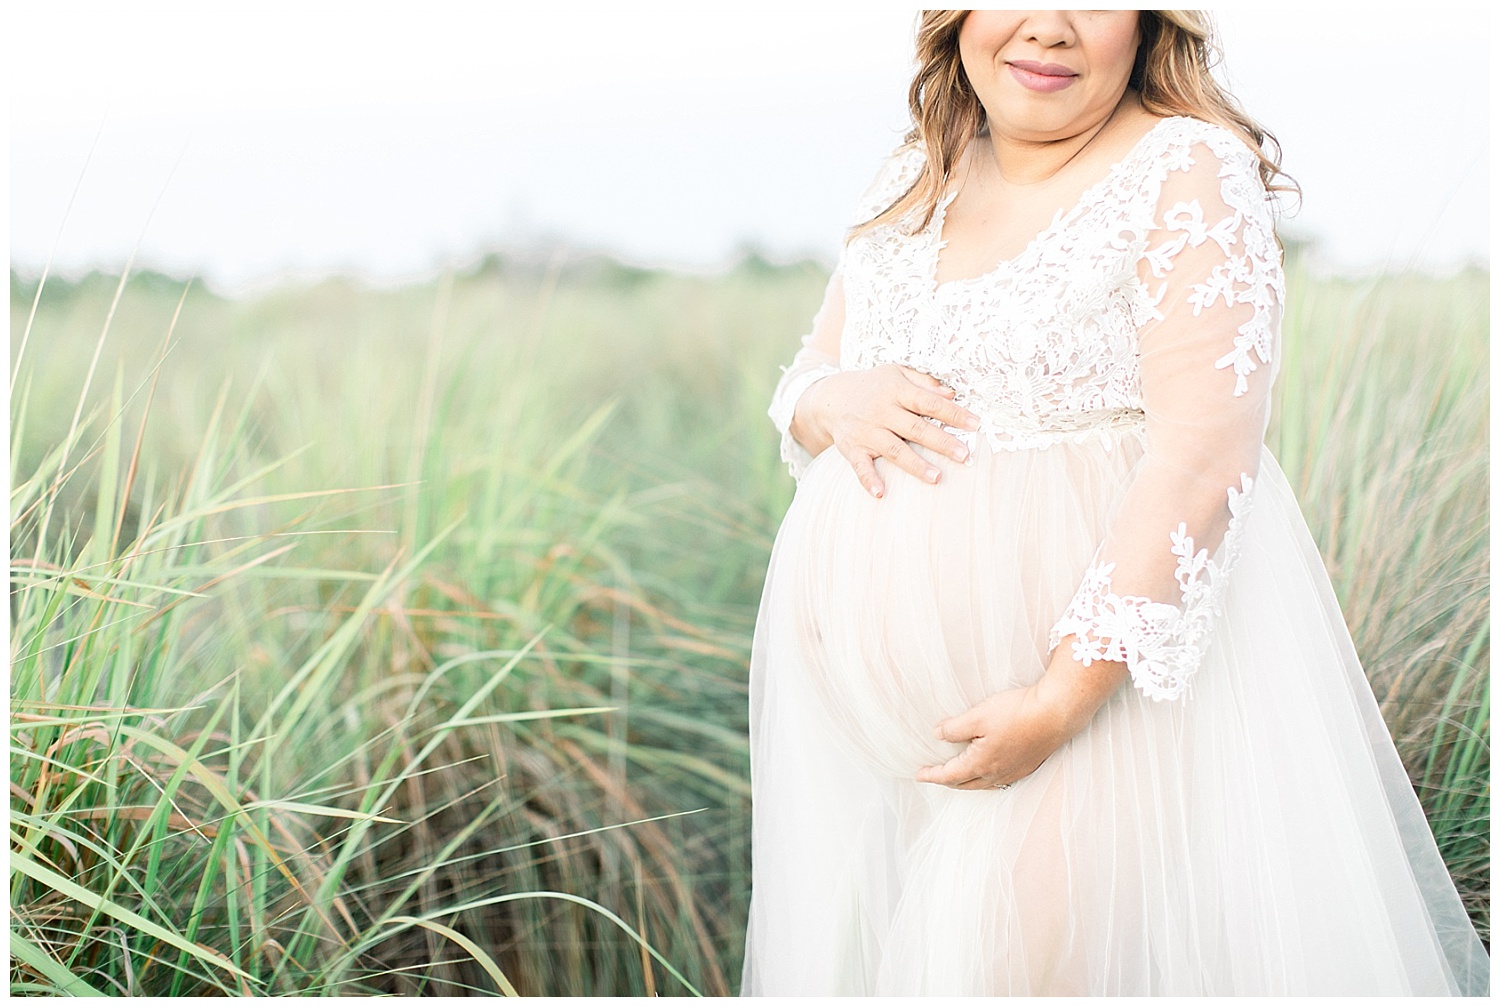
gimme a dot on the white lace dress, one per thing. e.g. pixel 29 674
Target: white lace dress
pixel 1238 820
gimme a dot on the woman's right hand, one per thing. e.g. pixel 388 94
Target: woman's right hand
pixel 881 412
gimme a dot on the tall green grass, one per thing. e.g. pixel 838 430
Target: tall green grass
pixel 1382 428
pixel 394 640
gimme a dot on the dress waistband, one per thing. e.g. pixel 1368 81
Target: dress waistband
pixel 1023 433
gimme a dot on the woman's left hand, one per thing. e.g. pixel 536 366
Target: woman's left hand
pixel 1009 735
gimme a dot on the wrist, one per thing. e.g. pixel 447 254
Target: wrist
pixel 807 426
pixel 1073 692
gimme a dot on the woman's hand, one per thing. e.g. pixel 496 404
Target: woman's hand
pixel 874 413
pixel 1009 735
pixel 1013 732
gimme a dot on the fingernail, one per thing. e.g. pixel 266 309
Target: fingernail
pixel 959 454
pixel 972 422
pixel 876 492
pixel 932 475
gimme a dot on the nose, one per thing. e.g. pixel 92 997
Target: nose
pixel 1048 28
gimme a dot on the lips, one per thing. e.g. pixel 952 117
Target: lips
pixel 1042 77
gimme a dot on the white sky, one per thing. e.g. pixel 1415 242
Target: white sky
pixel 388 139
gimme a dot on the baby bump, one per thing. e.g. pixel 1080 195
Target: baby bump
pixel 912 608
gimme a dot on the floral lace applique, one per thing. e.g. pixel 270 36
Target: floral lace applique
pixel 1162 644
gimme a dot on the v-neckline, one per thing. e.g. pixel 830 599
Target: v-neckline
pixel 937 242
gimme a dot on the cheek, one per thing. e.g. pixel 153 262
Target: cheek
pixel 1114 48
pixel 984 32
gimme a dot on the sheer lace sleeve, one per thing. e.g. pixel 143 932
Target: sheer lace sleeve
pixel 819 355
pixel 818 358
pixel 1211 293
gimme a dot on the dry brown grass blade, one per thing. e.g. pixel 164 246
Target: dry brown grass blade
pixel 141 812
pixel 89 592
pixel 431 613
pixel 640 915
pixel 701 647
pixel 56 835
pixel 214 582
pixel 33 563
pixel 48 496
pixel 83 732
pixel 591 592
pixel 310 862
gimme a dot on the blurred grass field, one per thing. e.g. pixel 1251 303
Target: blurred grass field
pixel 394 641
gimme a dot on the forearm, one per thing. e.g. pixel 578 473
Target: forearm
pixel 1075 692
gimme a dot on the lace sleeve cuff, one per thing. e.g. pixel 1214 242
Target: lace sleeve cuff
pixel 784 403
pixel 1161 644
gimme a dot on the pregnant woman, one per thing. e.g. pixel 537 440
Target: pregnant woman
pixel 1056 697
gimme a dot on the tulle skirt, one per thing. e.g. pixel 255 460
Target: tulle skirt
pixel 1258 837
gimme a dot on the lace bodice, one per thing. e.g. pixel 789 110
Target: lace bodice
pixel 1149 309
pixel 1043 347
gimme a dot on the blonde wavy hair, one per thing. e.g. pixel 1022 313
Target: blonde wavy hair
pixel 1171 75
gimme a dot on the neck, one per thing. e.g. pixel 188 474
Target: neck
pixel 1020 161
